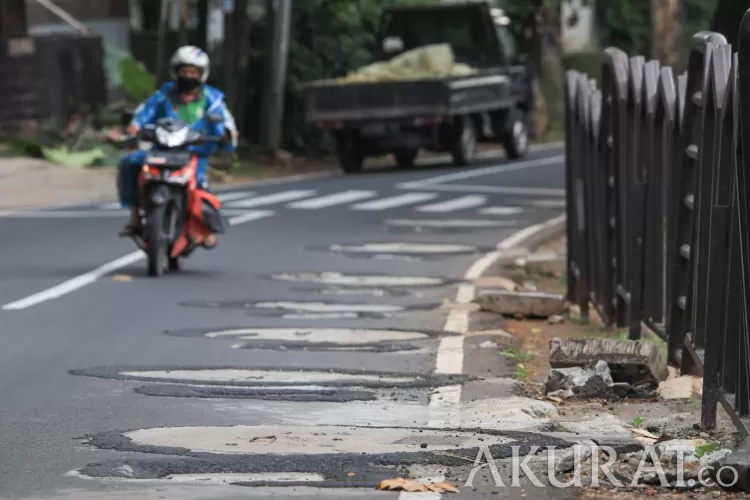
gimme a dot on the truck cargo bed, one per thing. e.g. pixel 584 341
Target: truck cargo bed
pixel 329 101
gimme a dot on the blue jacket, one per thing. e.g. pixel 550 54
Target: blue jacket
pixel 160 105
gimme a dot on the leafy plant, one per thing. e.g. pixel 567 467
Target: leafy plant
pixel 637 421
pixel 517 355
pixel 702 449
pixel 137 82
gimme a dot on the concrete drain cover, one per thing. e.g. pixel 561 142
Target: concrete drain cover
pixel 309 310
pixel 320 394
pixel 405 248
pixel 270 455
pixel 270 377
pixel 368 280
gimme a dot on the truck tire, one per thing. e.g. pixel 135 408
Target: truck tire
pixel 351 159
pixel 464 147
pixel 516 142
pixel 405 157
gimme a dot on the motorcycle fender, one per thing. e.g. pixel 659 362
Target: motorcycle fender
pixel 160 195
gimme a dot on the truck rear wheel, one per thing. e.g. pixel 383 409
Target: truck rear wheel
pixel 464 147
pixel 405 157
pixel 516 142
pixel 351 159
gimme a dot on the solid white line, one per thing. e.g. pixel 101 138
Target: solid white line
pixel 89 214
pixel 450 352
pixel 416 495
pixel 270 199
pixel 333 199
pixel 111 206
pixel 461 203
pixel 394 201
pixel 500 210
pixel 539 162
pixel 101 271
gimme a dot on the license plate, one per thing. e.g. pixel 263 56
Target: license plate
pixel 374 130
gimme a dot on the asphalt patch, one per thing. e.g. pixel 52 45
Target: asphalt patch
pixel 325 395
pixel 310 309
pixel 342 291
pixel 408 226
pixel 372 280
pixel 345 470
pixel 420 251
pixel 411 380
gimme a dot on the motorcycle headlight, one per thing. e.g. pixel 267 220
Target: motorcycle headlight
pixel 172 139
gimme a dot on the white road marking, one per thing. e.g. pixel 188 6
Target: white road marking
pixel 226 197
pixel 358 336
pixel 521 165
pixel 461 203
pixel 478 188
pixel 395 201
pixel 90 277
pixel 333 199
pixel 92 214
pixel 445 405
pixel 110 206
pixel 215 479
pixel 270 199
pixel 500 210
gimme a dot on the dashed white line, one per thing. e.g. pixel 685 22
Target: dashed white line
pixel 461 203
pixel 333 199
pixel 395 201
pixel 90 277
pixel 226 197
pixel 500 210
pixel 270 199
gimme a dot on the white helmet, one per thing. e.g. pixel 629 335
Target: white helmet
pixel 191 56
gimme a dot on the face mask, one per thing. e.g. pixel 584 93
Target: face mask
pixel 187 84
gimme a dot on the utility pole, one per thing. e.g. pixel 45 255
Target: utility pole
pixel 665 30
pixel 13 19
pixel 281 12
pixel 183 22
pixel 161 40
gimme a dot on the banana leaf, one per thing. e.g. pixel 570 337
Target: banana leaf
pixel 137 82
pixel 64 156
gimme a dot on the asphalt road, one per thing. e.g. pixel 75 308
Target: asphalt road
pixel 92 348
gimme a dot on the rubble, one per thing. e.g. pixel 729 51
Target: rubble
pixel 544 264
pixel 556 319
pixel 636 362
pixel 677 388
pixel 591 382
pixel 739 462
pixel 526 304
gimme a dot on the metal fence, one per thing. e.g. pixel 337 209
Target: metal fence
pixel 658 208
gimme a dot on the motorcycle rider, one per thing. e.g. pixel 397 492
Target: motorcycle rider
pixel 187 98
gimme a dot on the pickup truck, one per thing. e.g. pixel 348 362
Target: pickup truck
pixel 451 114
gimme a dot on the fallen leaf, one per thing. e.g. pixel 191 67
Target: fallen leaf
pixel 350 474
pixel 412 485
pixel 536 330
pixel 554 399
pixel 122 277
pixel 646 440
pixel 644 433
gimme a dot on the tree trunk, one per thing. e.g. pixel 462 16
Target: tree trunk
pixel 665 26
pixel 727 18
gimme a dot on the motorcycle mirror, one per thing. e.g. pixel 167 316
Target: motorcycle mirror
pixel 214 118
pixel 126 117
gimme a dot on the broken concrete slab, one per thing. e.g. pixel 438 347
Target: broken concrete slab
pixel 497 282
pixel 546 264
pixel 527 304
pixel 736 463
pixel 636 362
pixel 621 446
pixel 677 388
pixel 586 383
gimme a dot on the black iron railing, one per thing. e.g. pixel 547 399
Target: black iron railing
pixel 658 206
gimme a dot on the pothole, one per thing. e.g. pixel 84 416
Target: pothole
pixel 368 280
pixel 309 309
pixel 450 225
pixel 269 377
pixel 315 339
pixel 405 248
pixel 322 394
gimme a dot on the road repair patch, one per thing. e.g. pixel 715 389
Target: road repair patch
pixel 315 339
pixel 269 376
pixel 358 280
pixel 301 395
pixel 402 249
pixel 288 309
pixel 449 225
pixel 345 456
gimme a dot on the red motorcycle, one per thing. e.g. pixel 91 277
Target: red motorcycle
pixel 176 216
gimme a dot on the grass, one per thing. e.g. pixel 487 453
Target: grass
pixel 637 421
pixel 520 357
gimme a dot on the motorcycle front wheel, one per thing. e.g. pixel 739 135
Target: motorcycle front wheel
pixel 156 236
